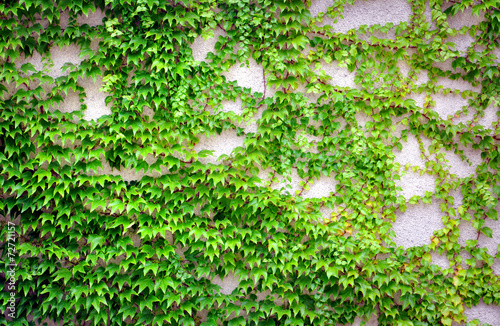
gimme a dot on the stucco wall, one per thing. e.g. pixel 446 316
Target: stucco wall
pixel 413 227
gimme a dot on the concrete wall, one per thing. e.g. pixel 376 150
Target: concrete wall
pixel 414 227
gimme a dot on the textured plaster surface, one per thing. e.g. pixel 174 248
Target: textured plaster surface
pixel 340 76
pixel 364 13
pixel 220 144
pixel 417 224
pixel 251 76
pixel 227 284
pixel 484 313
pixel 202 47
pixel 95 100
pixel 321 187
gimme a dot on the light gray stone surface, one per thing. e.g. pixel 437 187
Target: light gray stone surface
pixel 202 47
pixel 364 13
pixel 220 144
pixel 484 313
pixel 251 76
pixel 417 224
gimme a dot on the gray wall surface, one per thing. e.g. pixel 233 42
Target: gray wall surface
pixel 413 227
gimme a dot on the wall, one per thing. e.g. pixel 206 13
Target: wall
pixel 413 227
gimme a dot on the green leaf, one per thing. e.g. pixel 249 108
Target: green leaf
pixel 63 273
pixel 95 240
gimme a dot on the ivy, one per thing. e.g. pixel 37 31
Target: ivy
pixel 95 248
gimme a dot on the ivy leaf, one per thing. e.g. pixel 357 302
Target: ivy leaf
pixel 95 240
pixel 148 302
pixel 145 283
pixel 28 67
pixel 63 273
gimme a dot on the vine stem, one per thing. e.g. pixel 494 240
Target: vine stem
pixel 218 24
pixel 304 187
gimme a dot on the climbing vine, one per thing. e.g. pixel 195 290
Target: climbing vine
pixel 93 247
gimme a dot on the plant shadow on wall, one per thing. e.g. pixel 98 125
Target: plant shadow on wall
pixel 129 218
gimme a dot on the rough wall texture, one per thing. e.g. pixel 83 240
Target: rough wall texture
pixel 413 227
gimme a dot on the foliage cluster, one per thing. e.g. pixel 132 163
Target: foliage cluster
pixel 92 247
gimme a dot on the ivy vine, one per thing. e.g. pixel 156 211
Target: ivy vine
pixel 93 247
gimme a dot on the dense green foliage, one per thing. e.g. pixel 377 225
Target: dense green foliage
pixel 78 254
